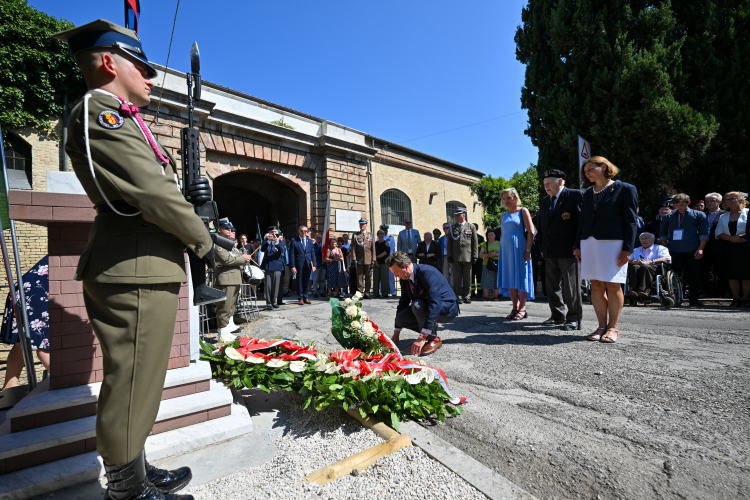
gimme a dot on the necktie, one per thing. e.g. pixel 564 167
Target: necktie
pixel 408 247
pixel 131 110
pixel 552 205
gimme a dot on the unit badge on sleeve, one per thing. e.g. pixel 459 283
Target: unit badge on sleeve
pixel 110 119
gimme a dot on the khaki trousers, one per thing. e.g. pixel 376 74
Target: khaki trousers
pixel 447 269
pixel 225 310
pixel 461 272
pixel 134 325
pixel 364 278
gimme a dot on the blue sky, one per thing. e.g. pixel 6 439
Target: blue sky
pixel 396 70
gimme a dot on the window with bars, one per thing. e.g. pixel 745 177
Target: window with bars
pixel 18 161
pixel 450 210
pixel 395 206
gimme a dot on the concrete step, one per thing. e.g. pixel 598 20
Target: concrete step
pixel 68 472
pixel 42 407
pixel 32 447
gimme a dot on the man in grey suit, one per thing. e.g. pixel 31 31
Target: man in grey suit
pixel 462 254
pixel 408 239
pixel 558 216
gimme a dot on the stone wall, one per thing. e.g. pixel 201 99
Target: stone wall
pixel 428 212
pixel 46 155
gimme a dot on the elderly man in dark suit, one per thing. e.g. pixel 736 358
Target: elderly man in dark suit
pixel 558 216
pixel 302 258
pixel 426 300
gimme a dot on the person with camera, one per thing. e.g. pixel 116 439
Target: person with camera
pixel 273 265
pixel 228 278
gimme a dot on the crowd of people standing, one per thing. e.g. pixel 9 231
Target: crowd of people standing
pixel 594 235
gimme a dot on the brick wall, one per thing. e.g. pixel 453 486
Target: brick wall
pixel 76 356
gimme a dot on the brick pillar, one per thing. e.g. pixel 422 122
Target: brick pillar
pixel 76 357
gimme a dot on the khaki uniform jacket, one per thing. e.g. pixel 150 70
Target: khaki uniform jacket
pixel 462 243
pixel 363 247
pixel 229 266
pixel 147 248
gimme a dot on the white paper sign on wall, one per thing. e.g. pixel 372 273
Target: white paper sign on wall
pixel 347 220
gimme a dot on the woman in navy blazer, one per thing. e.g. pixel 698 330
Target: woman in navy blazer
pixel 607 228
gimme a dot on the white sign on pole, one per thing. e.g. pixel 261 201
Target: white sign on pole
pixel 347 220
pixel 584 153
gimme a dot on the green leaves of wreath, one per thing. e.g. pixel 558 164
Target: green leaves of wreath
pixel 390 401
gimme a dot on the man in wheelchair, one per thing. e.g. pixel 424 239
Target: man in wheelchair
pixel 645 264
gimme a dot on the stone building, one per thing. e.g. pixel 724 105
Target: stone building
pixel 270 165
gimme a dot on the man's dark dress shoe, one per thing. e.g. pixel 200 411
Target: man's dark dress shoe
pixel 571 325
pixel 552 321
pixel 431 346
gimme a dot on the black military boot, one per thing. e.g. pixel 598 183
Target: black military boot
pixel 168 481
pixel 129 482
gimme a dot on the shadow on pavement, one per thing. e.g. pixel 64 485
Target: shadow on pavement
pixel 542 339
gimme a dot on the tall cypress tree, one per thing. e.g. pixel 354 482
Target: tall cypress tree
pixel 607 70
pixel 716 69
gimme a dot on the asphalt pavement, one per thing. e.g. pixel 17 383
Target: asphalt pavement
pixel 663 413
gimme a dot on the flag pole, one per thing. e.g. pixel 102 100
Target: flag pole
pixel 19 304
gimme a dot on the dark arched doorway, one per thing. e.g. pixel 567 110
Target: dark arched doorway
pixel 246 197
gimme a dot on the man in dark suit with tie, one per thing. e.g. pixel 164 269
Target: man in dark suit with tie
pixel 426 300
pixel 558 215
pixel 302 259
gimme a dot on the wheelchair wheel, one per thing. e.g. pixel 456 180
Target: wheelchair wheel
pixel 586 291
pixel 674 286
pixel 667 302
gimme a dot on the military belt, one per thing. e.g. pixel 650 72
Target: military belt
pixel 120 206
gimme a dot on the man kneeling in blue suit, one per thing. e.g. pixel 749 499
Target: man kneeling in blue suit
pixel 426 300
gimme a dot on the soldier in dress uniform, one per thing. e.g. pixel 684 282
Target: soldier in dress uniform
pixel 363 251
pixel 462 255
pixel 228 278
pixel 133 264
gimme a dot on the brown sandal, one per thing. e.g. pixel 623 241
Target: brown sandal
pixel 596 336
pixel 609 339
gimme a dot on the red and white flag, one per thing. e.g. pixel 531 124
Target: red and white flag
pixel 327 227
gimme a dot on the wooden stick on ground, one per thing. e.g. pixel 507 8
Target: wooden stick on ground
pixel 361 460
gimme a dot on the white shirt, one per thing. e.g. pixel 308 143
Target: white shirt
pixel 651 253
pixel 723 226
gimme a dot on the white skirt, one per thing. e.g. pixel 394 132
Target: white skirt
pixel 599 261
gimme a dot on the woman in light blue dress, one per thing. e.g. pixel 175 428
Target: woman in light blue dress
pixel 515 272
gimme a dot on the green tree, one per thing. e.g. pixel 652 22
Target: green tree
pixel 609 70
pixel 716 65
pixel 528 187
pixel 488 191
pixel 35 69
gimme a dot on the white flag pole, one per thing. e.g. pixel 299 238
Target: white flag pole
pixel 19 303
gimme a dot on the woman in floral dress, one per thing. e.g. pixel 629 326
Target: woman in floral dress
pixel 333 262
pixel 36 290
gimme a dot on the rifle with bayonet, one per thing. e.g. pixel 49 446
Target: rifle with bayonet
pixel 197 191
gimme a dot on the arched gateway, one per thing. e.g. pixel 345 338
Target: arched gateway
pixel 247 196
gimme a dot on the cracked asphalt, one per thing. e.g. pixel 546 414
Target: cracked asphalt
pixel 663 413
